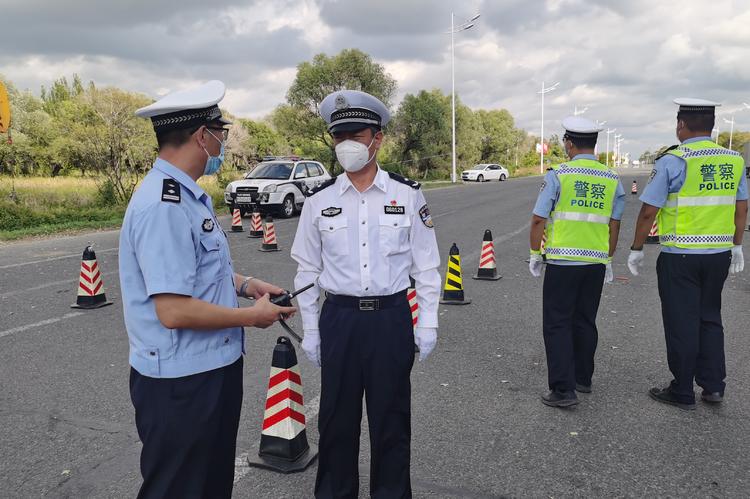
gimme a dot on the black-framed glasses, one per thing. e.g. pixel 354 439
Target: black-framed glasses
pixel 224 132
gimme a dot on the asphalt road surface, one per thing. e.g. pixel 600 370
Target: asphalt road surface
pixel 479 429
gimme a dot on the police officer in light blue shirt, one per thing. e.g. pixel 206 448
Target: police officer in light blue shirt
pixel 179 292
pixel 697 254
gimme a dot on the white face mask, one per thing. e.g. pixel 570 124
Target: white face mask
pixel 353 155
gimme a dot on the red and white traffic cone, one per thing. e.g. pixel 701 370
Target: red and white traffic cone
pixel 283 441
pixel 411 296
pixel 487 265
pixel 256 225
pixel 90 284
pixel 236 219
pixel 653 234
pixel 269 236
pixel 634 188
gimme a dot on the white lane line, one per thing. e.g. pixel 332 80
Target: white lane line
pixel 498 240
pixel 20 329
pixel 48 285
pixel 52 259
pixel 241 467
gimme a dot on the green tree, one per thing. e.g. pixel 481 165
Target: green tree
pixel 498 135
pixel 350 69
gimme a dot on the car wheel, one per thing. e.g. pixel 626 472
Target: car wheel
pixel 480 178
pixel 502 177
pixel 287 207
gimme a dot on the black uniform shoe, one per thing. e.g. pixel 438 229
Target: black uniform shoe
pixel 712 397
pixel 583 388
pixel 560 399
pixel 665 396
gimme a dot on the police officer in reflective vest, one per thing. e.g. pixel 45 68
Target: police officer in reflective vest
pixel 359 238
pixel 698 196
pixel 581 204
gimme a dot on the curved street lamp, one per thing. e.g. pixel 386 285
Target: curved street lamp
pixel 543 91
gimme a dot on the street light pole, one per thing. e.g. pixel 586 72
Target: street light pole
pixel 613 130
pixel 463 27
pixel 541 148
pixel 731 129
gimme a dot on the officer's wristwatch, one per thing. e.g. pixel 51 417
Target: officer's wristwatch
pixel 243 287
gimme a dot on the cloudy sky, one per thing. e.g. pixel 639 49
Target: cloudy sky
pixel 623 59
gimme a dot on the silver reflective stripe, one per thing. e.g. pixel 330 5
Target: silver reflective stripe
pixel 701 201
pixel 577 253
pixel 580 217
pixel 697 239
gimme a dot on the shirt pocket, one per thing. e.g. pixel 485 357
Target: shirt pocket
pixel 394 234
pixel 334 235
pixel 210 259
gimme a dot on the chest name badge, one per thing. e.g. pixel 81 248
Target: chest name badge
pixel 331 212
pixel 395 210
pixel 208 225
pixel 424 214
pixel 170 191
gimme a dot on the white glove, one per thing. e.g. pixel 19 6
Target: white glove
pixel 311 345
pixel 635 261
pixel 425 338
pixel 609 276
pixel 738 260
pixel 535 264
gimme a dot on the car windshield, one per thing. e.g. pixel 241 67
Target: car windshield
pixel 275 171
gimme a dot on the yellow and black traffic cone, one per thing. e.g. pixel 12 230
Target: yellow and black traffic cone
pixel 236 219
pixel 256 225
pixel 283 440
pixel 653 235
pixel 487 265
pixel 453 291
pixel 90 284
pixel 269 236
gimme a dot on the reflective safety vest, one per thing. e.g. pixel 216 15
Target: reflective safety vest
pixel 701 214
pixel 578 228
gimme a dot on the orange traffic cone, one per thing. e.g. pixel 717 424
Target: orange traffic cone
pixel 269 236
pixel 487 266
pixel 236 219
pixel 653 235
pixel 256 225
pixel 283 441
pixel 90 285
pixel 453 291
pixel 634 188
pixel 411 296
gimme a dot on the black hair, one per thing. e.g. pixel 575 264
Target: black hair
pixel 174 138
pixel 581 142
pixel 697 122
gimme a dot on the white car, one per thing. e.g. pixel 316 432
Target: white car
pixel 480 173
pixel 279 185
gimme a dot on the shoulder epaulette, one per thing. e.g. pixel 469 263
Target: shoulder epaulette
pixel 170 191
pixel 398 178
pixel 666 151
pixel 327 183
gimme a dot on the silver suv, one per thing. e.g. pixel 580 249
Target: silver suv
pixel 277 184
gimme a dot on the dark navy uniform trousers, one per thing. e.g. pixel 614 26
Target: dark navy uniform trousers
pixel 371 353
pixel 571 296
pixel 188 427
pixel 690 289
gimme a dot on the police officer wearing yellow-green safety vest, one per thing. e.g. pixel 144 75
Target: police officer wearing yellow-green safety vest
pixel 580 203
pixel 700 194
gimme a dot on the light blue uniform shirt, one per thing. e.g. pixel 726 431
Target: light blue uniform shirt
pixel 667 178
pixel 550 194
pixel 174 244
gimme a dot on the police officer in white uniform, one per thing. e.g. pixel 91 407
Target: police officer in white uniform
pixel 360 236
pixel 179 294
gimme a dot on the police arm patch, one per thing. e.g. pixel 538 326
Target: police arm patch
pixel 424 214
pixel 208 225
pixel 653 174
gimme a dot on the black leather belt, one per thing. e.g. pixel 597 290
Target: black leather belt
pixel 368 303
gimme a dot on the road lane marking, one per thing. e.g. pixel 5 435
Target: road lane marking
pixel 497 240
pixel 241 468
pixel 47 322
pixel 52 259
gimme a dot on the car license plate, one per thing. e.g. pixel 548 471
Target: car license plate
pixel 244 198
